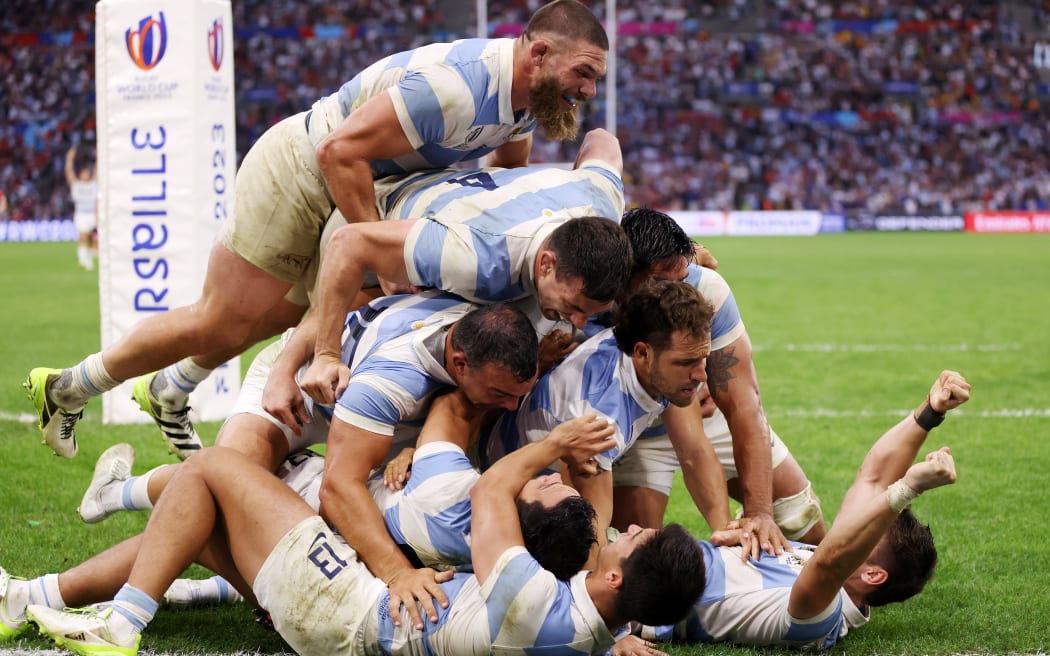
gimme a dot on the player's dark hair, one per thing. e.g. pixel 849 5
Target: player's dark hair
pixel 595 250
pixel 909 560
pixel 559 538
pixel 656 310
pixel 500 334
pixel 568 19
pixel 654 237
pixel 662 578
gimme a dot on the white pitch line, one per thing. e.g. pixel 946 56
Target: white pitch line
pixel 887 348
pixel 21 417
pixel 1001 413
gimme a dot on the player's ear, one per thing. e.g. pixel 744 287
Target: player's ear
pixel 457 362
pixel 613 578
pixel 641 350
pixel 548 261
pixel 874 575
pixel 538 49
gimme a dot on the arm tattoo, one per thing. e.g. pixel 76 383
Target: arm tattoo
pixel 719 364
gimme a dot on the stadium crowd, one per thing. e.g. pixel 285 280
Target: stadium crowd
pixel 930 106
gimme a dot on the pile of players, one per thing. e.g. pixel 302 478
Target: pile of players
pixel 504 368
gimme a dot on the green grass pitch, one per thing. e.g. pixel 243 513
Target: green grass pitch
pixel 849 332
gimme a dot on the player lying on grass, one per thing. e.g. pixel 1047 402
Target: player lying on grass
pixel 255 530
pixel 429 518
pixel 875 553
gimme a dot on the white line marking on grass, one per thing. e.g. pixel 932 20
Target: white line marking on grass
pixel 887 348
pixel 1002 413
pixel 21 417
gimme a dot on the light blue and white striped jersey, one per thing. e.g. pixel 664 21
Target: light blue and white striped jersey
pixel 395 348
pixel 452 100
pixel 521 609
pixel 747 602
pixel 596 377
pixel 726 325
pixel 431 514
pixel 485 226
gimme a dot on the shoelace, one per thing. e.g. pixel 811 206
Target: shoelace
pixel 119 469
pixel 69 422
pixel 92 611
pixel 181 416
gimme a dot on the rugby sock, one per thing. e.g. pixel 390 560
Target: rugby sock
pixel 42 591
pixel 187 593
pixel 82 382
pixel 173 384
pixel 132 611
pixel 219 589
pixel 130 494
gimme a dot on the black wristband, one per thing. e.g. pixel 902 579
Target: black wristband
pixel 929 418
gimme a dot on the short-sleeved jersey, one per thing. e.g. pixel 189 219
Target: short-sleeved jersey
pixel 596 377
pixel 520 609
pixel 484 227
pixel 726 325
pixel 394 347
pixel 747 602
pixel 452 100
pixel 430 515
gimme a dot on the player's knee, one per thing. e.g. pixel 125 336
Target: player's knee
pixel 216 330
pixel 798 513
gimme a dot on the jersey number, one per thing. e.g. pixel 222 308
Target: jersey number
pixel 324 557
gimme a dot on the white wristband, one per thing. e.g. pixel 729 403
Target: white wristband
pixel 899 495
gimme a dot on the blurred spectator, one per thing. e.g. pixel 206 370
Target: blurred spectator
pixel 859 105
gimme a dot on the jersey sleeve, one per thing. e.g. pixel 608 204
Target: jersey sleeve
pixel 432 103
pixel 726 325
pixel 381 394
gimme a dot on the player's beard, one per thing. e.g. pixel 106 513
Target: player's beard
pixel 545 103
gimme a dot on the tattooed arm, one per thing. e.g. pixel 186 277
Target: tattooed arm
pixel 734 388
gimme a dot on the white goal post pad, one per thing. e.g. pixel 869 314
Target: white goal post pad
pixel 167 159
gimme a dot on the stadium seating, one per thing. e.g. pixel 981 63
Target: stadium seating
pixel 871 106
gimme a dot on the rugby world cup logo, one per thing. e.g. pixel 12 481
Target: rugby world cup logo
pixel 216 45
pixel 147 44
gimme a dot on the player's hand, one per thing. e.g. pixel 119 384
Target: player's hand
pixel 397 471
pixel 949 392
pixel 283 399
pixel 763 534
pixel 703 257
pixel 325 379
pixel 554 346
pixel 707 402
pixel 582 438
pixel 634 646
pixel 412 587
pixel 731 535
pixel 936 470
